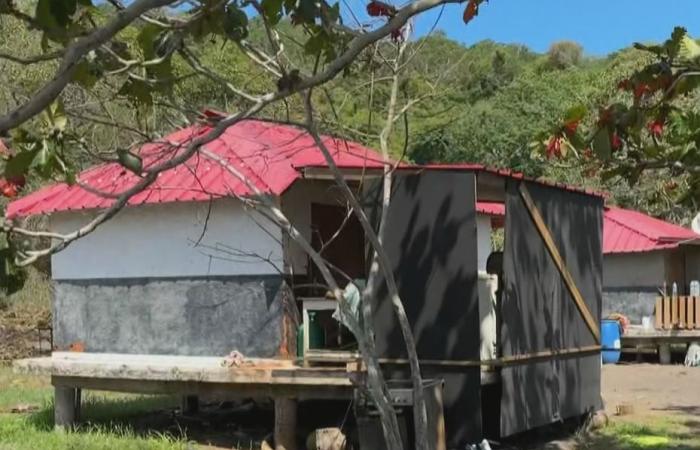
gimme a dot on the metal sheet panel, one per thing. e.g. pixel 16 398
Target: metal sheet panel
pixel 432 244
pixel 539 313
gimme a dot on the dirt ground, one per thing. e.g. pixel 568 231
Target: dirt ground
pixel 651 389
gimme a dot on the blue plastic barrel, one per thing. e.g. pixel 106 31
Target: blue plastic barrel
pixel 610 334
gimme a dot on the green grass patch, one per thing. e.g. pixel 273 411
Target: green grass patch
pixel 677 432
pixel 107 419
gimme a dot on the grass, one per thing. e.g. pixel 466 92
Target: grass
pixel 106 419
pixel 653 432
pixel 121 421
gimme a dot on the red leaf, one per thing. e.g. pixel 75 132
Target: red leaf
pixel 571 127
pixel 554 147
pixel 471 11
pixel 377 8
pixel 615 141
pixel 656 128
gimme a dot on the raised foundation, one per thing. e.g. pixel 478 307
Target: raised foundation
pixel 178 316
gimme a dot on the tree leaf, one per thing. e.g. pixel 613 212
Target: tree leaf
pixel 601 143
pixel 689 50
pixel 235 23
pixel 54 117
pixel 575 114
pixel 138 91
pixel 86 74
pixel 19 164
pixel 130 161
pixel 272 10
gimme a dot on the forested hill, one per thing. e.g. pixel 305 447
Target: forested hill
pixel 483 103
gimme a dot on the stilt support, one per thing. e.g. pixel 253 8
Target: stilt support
pixel 285 424
pixel 66 407
pixel 190 404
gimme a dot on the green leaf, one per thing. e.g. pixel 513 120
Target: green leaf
pixel 236 23
pixel 575 114
pixel 19 164
pixel 86 74
pixel 272 9
pixel 689 50
pixel 12 278
pixel 307 11
pixel 601 143
pixel 54 117
pixel 138 91
pixel 43 15
pixel 130 161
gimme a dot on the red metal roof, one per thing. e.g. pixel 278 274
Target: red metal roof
pixel 269 154
pixel 624 230
pixel 497 209
pixel 627 231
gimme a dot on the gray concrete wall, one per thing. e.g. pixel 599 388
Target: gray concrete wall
pixel 634 304
pixel 196 316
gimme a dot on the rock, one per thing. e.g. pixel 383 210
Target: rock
pixel 326 439
pixel 598 420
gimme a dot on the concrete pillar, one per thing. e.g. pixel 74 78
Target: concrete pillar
pixel 664 353
pixel 66 407
pixel 190 404
pixel 285 424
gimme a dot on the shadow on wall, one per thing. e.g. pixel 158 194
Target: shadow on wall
pixel 431 240
pixel 538 312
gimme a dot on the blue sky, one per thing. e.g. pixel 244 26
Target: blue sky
pixel 601 26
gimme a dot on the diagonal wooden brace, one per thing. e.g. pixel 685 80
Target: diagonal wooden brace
pixel 559 262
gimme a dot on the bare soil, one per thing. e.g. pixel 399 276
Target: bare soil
pixel 651 389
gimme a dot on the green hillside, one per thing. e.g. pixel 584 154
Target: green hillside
pixel 483 103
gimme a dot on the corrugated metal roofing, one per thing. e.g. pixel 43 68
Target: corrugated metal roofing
pixel 627 231
pixel 269 154
pixel 497 209
pixel 624 230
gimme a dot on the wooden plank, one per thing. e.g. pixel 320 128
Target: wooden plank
pixel 697 312
pixel 682 318
pixel 221 390
pixel 659 312
pixel 559 262
pixel 285 424
pixel 667 313
pixel 508 360
pixel 674 312
pixel 692 324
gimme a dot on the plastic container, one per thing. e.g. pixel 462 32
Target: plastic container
pixel 317 337
pixel 610 334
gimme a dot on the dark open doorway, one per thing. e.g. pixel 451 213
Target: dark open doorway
pixel 339 237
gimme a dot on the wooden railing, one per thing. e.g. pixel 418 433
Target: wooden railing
pixel 681 312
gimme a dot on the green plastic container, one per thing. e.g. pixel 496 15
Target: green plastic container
pixel 317 338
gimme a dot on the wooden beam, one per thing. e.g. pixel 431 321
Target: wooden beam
pixel 504 361
pixel 66 407
pixel 559 261
pixel 285 424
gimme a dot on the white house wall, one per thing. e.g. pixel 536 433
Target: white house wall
pixel 634 270
pixel 483 239
pixel 158 240
pixel 631 282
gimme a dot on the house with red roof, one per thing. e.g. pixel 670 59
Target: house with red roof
pixel 642 256
pixel 191 269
